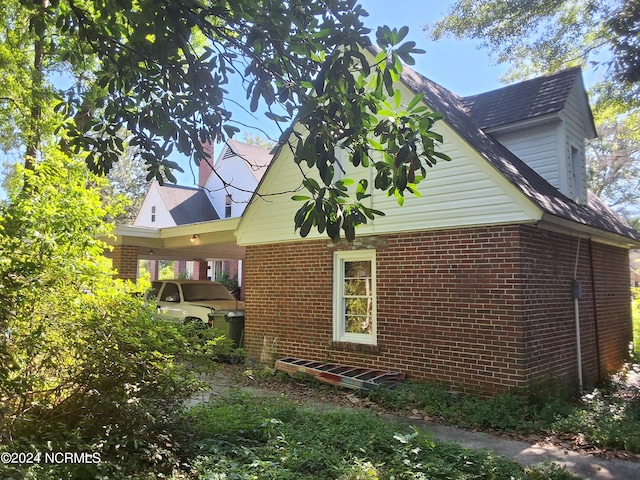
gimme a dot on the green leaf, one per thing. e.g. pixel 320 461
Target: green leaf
pixel 399 196
pixel 277 118
pixel 415 101
pixel 402 33
pixel 397 98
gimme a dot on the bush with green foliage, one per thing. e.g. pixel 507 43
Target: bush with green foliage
pixel 83 366
pixel 207 345
pixel 609 416
pixel 230 282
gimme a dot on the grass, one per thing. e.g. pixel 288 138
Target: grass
pixel 249 437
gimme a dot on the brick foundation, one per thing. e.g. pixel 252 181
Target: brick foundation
pixel 484 309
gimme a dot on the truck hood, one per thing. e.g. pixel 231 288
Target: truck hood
pixel 220 305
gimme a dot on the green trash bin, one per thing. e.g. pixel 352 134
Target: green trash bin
pixel 231 323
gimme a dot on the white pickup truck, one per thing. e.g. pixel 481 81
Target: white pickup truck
pixel 193 300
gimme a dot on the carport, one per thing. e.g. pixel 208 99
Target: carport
pixel 199 242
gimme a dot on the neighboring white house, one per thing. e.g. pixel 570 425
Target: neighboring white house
pixel 172 205
pixel 225 190
pixel 234 177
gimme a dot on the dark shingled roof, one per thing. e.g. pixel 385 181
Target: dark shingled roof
pixel 187 205
pixel 525 100
pixel 458 113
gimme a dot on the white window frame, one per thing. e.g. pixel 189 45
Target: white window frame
pixel 339 333
pixel 228 203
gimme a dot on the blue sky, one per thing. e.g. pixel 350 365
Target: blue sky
pixel 456 65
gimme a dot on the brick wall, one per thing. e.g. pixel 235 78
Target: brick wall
pixel 483 309
pixel 125 262
pixel 613 313
pixel 200 270
pixel 549 266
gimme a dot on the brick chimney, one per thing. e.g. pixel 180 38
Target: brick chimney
pixel 206 164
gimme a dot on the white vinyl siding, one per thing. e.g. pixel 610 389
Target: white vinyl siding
pixel 574 148
pixel 153 212
pixel 539 148
pixel 240 184
pixel 466 191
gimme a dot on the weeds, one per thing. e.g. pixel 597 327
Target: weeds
pixel 506 412
pixel 248 437
pixel 608 417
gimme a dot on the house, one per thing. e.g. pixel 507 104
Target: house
pixel 234 177
pixel 486 282
pixel 225 188
pixel 170 205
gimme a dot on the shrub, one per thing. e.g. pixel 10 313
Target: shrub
pixel 83 367
pixel 231 283
pixel 609 416
pixel 205 346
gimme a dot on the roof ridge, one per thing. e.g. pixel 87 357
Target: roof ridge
pixel 529 81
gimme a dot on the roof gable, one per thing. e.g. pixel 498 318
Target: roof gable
pixel 256 159
pixel 520 178
pixel 521 175
pixel 187 205
pixel 526 100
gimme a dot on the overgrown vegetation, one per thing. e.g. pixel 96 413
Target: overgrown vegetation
pixel 635 311
pixel 248 437
pixel 607 417
pixel 83 366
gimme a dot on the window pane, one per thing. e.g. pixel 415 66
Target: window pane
pixel 170 289
pixel 358 317
pixel 357 278
pixel 357 297
pixel 361 269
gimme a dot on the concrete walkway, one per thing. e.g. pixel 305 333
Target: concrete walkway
pixel 580 464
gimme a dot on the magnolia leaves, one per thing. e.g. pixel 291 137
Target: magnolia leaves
pixel 159 76
pixel 356 116
pixel 330 208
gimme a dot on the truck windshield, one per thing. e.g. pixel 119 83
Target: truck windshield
pixel 194 292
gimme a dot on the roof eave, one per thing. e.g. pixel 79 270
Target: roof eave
pixel 524 124
pixel 557 224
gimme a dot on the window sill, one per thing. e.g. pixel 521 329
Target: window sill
pixel 355 347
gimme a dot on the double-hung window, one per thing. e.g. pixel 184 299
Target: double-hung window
pixel 354 296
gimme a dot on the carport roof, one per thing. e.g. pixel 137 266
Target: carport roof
pixel 198 241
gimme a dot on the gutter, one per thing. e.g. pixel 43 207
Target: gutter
pixel 571 228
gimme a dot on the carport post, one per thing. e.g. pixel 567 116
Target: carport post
pixel 125 262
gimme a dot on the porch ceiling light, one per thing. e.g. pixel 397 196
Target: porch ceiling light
pixel 193 238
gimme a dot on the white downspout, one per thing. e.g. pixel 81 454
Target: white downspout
pixel 576 292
